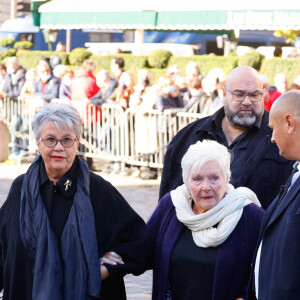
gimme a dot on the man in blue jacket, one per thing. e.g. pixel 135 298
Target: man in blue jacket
pixel 47 85
pixel 276 268
pixel 242 126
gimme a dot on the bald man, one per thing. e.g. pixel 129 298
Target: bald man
pixel 277 264
pixel 242 126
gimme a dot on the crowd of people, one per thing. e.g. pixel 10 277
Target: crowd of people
pixel 226 223
pixel 52 80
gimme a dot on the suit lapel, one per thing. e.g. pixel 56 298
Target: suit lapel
pixel 267 215
pixel 285 202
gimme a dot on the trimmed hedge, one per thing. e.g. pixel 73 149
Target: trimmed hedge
pixel 30 59
pixel 270 68
pixel 23 45
pixel 252 59
pixel 6 42
pixel 159 58
pixel 78 56
pixel 289 66
pixel 5 54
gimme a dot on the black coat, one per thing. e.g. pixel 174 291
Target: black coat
pixel 118 229
pixel 264 170
pixel 279 260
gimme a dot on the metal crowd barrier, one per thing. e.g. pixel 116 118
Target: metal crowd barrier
pixel 17 114
pixel 130 137
pixel 103 132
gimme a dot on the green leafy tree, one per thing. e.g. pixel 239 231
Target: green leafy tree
pixel 289 35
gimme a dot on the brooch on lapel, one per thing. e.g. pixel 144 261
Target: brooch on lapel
pixel 67 184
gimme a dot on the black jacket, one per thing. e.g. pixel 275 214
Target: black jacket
pixel 263 170
pixel 105 95
pixel 118 228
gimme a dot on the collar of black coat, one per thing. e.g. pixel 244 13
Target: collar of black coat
pixel 216 121
pixel 67 184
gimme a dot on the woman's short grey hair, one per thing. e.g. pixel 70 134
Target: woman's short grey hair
pixel 201 153
pixel 62 116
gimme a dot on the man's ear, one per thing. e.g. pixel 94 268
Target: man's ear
pixel 290 123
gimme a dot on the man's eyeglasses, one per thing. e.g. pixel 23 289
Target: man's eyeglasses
pixel 240 97
pixel 51 141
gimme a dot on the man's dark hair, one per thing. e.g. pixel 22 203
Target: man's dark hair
pixel 46 59
pixel 119 61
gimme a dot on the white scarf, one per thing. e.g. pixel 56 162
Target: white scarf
pixel 227 213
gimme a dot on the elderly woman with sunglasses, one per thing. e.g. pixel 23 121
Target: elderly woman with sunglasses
pixel 203 234
pixel 60 219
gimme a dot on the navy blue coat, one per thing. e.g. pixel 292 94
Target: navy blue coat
pixel 279 271
pixel 233 259
pixel 263 172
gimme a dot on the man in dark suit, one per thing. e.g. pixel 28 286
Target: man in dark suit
pixel 242 126
pixel 276 268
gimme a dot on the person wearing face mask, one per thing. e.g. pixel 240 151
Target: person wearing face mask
pixel 107 85
pixel 169 96
pixel 14 78
pixel 47 85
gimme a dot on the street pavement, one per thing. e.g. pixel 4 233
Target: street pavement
pixel 142 195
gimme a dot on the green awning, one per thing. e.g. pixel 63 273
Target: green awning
pixel 94 14
pixel 230 19
pixel 99 20
pixel 34 8
pixel 174 15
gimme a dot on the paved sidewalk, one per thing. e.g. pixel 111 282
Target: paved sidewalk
pixel 142 195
